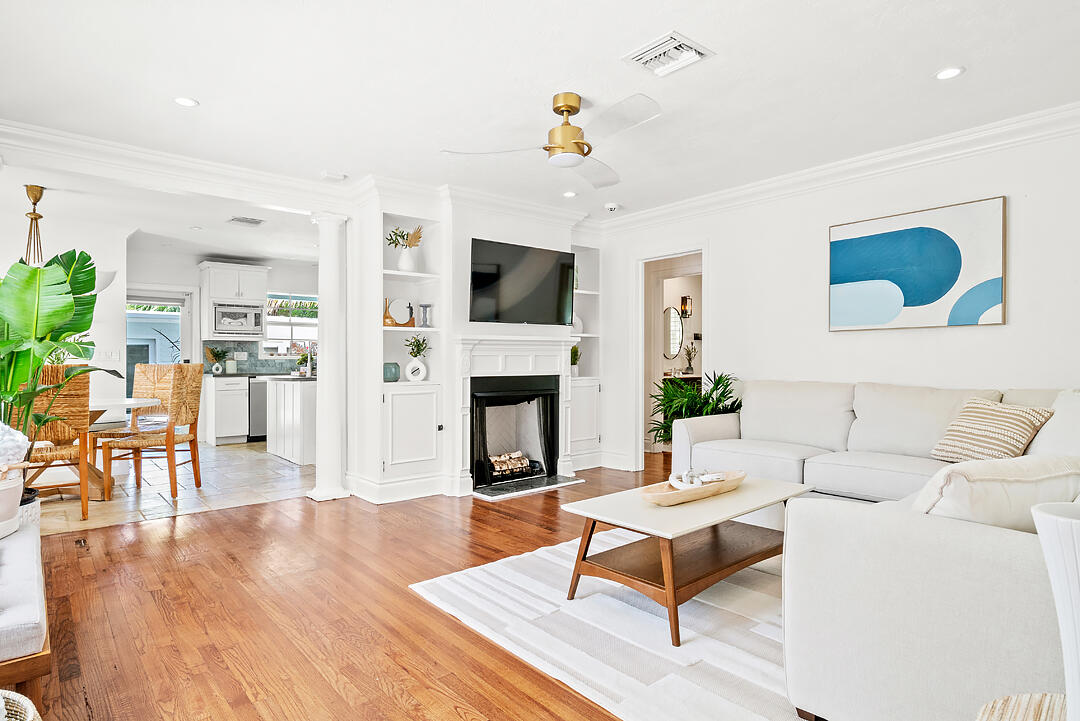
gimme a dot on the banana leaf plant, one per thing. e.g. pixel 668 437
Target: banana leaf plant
pixel 42 311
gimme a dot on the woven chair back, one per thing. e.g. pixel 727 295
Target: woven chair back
pixel 152 380
pixel 186 392
pixel 72 404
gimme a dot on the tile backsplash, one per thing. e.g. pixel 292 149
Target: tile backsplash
pixel 253 364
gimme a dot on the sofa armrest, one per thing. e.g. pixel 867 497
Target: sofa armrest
pixel 688 431
pixel 891 614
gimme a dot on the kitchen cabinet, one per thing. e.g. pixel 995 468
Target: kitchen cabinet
pixel 585 422
pixel 290 418
pixel 223 412
pixel 229 284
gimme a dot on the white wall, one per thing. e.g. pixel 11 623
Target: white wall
pixel 107 245
pixel 765 285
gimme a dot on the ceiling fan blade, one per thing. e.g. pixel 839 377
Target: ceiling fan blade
pixel 599 175
pixel 623 115
pixel 490 152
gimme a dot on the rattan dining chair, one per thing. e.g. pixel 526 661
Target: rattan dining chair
pixel 64 442
pixel 149 380
pixel 182 402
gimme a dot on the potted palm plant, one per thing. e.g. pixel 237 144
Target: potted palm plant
pixel 676 399
pixel 44 311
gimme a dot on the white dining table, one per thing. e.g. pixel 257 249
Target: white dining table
pixel 98 408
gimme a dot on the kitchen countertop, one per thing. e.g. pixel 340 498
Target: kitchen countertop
pixel 247 375
pixel 291 379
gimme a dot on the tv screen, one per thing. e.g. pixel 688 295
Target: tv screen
pixel 517 284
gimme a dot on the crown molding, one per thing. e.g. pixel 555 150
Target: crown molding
pixel 512 206
pixel 36 147
pixel 1035 127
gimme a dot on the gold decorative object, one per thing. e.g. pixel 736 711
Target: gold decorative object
pixel 33 237
pixel 567 138
pixel 388 318
pixel 414 237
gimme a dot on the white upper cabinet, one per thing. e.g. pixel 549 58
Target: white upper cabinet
pixel 226 281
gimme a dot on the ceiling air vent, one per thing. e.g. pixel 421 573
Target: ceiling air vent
pixel 244 220
pixel 669 53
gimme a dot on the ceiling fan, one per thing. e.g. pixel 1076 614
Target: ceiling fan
pixel 567 146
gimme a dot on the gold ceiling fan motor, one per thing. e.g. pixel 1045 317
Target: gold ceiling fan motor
pixel 566 146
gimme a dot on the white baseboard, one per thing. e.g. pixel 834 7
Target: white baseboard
pixel 592 459
pixel 397 489
pixel 617 461
pixel 328 494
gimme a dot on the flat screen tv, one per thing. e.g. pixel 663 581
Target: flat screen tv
pixel 518 284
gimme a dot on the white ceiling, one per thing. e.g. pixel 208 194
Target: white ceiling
pixel 162 219
pixel 370 87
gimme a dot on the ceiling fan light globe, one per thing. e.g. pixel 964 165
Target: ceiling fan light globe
pixel 566 159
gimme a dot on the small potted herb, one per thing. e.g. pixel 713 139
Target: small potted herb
pixel 418 347
pixel 215 355
pixel 575 358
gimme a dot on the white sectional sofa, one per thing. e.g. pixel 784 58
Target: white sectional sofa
pixel 865 441
pixel 889 614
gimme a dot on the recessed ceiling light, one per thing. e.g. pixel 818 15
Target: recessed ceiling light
pixel 186 102
pixel 950 73
pixel 196 227
pixel 569 194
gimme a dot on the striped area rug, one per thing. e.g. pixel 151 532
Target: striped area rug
pixel 612 644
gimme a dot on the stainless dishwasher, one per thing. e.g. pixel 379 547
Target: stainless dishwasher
pixel 256 409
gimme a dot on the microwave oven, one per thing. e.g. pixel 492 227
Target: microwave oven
pixel 232 319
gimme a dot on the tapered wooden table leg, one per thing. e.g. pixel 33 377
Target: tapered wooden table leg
pixel 586 539
pixel 667 560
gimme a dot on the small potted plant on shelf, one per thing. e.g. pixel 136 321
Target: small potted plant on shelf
pixel 409 245
pixel 215 355
pixel 418 347
pixel 575 358
pixel 690 352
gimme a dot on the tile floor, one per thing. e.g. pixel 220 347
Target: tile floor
pixel 232 475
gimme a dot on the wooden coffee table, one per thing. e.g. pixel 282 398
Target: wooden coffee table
pixel 689 547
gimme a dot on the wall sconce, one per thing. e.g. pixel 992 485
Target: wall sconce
pixel 687 308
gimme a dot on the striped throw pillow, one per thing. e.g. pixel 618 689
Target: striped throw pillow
pixel 985 430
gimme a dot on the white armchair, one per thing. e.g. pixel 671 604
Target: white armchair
pixel 688 431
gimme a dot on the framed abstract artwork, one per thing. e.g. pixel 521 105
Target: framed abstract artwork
pixel 930 268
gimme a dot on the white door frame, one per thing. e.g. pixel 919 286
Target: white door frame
pixel 641 358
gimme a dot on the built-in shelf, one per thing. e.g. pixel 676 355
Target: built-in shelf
pixel 409 384
pixel 579 291
pixel 585 335
pixel 584 378
pixel 411 329
pixel 409 275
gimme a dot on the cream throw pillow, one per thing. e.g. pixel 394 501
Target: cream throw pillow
pixel 1061 434
pixel 986 430
pixel 1000 492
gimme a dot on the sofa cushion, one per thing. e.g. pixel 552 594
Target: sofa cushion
pixel 985 430
pixel 1000 492
pixel 803 413
pixel 869 476
pixel 905 420
pixel 22 593
pixel 1061 434
pixel 763 459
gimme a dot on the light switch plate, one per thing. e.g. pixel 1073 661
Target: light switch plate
pixel 240 355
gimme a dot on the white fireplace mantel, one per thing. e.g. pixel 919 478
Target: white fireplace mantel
pixel 503 355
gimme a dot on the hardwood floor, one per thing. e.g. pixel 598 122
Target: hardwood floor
pixel 295 610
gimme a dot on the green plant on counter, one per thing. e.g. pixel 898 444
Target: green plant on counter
pixel 690 352
pixel 575 355
pixel 418 346
pixel 44 312
pixel 302 360
pixel 215 354
pixel 677 399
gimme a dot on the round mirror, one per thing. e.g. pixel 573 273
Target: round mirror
pixel 401 311
pixel 673 333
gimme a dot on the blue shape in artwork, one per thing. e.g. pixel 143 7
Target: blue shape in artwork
pixel 923 262
pixel 865 302
pixel 980 298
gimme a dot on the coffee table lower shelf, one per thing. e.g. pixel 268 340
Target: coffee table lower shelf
pixel 671 572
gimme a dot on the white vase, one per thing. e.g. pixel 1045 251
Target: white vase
pixel 416 370
pixel 573 371
pixel 1059 532
pixel 409 260
pixel 10 494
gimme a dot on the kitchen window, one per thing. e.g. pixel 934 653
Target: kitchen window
pixel 292 325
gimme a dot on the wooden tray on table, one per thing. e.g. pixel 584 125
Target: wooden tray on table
pixel 664 494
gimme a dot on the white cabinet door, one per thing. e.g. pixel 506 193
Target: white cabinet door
pixel 251 285
pixel 584 416
pixel 411 420
pixel 230 412
pixel 224 283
